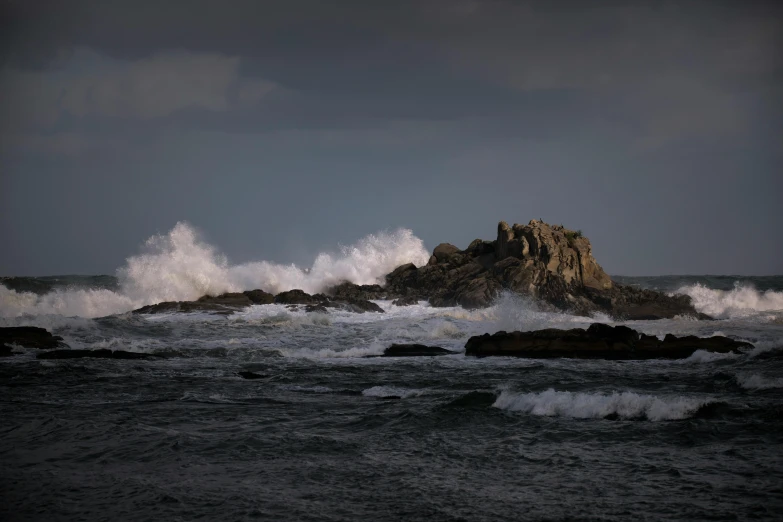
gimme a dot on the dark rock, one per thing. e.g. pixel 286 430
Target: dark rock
pixel 415 350
pixel 295 296
pixel 251 375
pixel 5 350
pixel 599 341
pixel 190 306
pixel 316 308
pixel 444 252
pixel 406 301
pixel 360 306
pixel 95 354
pixel 234 299
pixel 349 291
pixel 259 297
pixel 30 337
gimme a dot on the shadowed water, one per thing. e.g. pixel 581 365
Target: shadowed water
pixel 328 434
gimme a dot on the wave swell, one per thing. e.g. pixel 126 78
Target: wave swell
pixel 580 405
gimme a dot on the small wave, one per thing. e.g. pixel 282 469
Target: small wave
pixel 579 405
pixel 741 301
pixel 759 382
pixel 390 392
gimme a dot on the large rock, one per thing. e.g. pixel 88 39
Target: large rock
pixel 547 262
pixel 223 304
pixel 599 341
pixel 30 337
pixel 415 350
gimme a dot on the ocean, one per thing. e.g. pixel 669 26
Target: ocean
pixel 328 433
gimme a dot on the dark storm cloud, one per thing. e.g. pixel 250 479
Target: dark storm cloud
pixel 572 111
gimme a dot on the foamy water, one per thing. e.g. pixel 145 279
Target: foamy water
pixel 178 266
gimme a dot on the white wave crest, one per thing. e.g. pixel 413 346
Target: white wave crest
pixel 178 266
pixel 740 301
pixel 759 382
pixel 626 405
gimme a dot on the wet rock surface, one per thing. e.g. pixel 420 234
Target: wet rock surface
pixel 599 341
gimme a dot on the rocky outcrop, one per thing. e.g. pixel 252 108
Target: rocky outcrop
pixel 251 375
pixel 95 354
pixel 29 337
pixel 347 297
pixel 547 262
pixel 599 341
pixel 414 350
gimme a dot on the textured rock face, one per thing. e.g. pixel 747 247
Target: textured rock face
pixel 29 337
pixel 548 262
pixel 599 341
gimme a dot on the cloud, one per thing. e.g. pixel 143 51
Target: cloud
pixel 88 84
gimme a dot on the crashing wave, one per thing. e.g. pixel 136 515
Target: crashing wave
pixel 580 405
pixel 179 267
pixel 740 301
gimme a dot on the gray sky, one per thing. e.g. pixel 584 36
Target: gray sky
pixel 280 129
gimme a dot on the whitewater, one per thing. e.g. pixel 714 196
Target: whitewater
pixel 326 430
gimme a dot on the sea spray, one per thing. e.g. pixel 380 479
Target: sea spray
pixel 178 266
pixel 740 301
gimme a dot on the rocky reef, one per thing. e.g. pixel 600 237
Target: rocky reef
pixel 547 262
pixel 599 341
pixel 28 337
pixel 550 263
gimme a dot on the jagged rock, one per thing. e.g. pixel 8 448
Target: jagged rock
pixel 406 301
pixel 5 350
pixel 414 350
pixel 95 354
pixel 187 307
pixel 360 306
pixel 295 296
pixel 599 341
pixel 30 337
pixel 547 262
pixel 234 299
pixel 259 297
pixel 349 291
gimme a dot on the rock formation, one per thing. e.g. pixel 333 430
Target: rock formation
pixel 414 350
pixel 28 337
pixel 548 262
pixel 599 341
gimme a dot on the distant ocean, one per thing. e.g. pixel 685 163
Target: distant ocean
pixel 329 434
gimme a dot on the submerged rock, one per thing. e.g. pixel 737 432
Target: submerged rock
pixel 599 341
pixel 251 375
pixel 95 354
pixel 414 350
pixel 548 262
pixel 29 337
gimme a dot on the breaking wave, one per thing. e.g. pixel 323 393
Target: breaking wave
pixel 742 300
pixel 759 382
pixel 178 266
pixel 625 405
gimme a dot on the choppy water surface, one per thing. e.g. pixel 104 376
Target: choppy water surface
pixel 328 434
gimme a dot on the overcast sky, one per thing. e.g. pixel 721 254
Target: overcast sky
pixel 280 129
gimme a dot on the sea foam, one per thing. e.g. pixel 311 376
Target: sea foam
pixel 178 266
pixel 580 405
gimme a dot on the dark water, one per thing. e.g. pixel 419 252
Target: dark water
pixel 328 434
